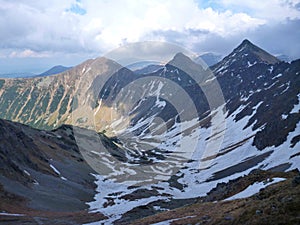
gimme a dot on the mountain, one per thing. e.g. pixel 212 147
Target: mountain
pixel 171 137
pixel 284 58
pixel 48 102
pixel 246 55
pixel 141 64
pixel 209 58
pixel 148 69
pixel 266 87
pixel 201 140
pixel 16 75
pixel 179 123
pixel 54 70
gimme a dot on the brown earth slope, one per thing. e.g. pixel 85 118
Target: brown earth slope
pixel 278 203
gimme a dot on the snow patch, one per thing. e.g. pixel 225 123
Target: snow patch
pixel 251 64
pixel 209 80
pixel 254 188
pixel 54 169
pixel 10 214
pixel 296 108
pixel 277 76
pixel 26 172
pixel 271 69
pixel 158 208
pixel 115 211
pixel 63 178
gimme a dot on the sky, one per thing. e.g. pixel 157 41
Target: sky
pixel 36 35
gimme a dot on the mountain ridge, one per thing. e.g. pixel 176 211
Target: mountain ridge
pixel 209 58
pixel 44 101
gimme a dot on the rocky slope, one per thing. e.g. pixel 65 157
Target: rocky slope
pixel 251 77
pixel 43 177
pixel 275 204
pixel 47 102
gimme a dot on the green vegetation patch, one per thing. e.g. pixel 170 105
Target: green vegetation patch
pixel 9 95
pixel 57 98
pixel 2 82
pixel 27 110
pixel 18 103
pixel 64 106
pixel 74 104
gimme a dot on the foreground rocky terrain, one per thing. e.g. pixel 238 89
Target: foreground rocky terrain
pixel 44 180
pixel 278 203
pixel 43 177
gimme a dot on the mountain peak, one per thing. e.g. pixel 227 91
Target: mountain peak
pixel 180 60
pixel 55 70
pixel 246 42
pixel 184 63
pixel 179 57
pixel 245 46
pixel 247 50
pixel 245 55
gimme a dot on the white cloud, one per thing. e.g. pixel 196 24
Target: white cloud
pixel 42 26
pixel 27 53
pixel 272 10
pixel 93 27
pixel 131 21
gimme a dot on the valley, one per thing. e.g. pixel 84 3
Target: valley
pixel 167 144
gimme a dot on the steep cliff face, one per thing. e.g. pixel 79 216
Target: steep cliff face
pixel 251 77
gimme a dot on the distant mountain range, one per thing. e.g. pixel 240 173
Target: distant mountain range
pixel 157 138
pixel 16 75
pixel 54 70
pixel 209 58
pixel 284 58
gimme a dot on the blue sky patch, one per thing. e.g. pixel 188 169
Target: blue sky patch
pixel 77 9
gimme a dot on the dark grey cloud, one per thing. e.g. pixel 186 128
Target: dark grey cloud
pixel 282 38
pixel 279 38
